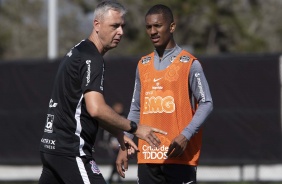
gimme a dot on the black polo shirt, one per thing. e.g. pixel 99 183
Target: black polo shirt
pixel 69 129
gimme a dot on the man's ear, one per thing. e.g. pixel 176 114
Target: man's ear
pixel 96 25
pixel 172 27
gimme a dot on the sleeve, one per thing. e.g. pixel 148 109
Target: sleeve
pixel 134 112
pixel 200 90
pixel 92 74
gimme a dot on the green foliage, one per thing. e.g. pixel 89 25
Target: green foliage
pixel 20 27
pixel 208 27
pixel 5 37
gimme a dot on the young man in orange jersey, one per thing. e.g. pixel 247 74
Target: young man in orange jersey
pixel 171 93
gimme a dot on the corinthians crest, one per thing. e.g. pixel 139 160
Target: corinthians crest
pixel 184 59
pixel 146 60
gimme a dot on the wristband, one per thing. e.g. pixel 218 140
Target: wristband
pixel 133 127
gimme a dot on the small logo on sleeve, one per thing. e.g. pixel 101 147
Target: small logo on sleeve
pixel 88 62
pixel 102 79
pixel 200 86
pixel 69 53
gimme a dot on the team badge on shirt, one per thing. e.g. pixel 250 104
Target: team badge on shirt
pixel 94 167
pixel 172 58
pixel 146 60
pixel 184 59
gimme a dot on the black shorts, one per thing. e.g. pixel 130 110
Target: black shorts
pixel 166 174
pixel 69 170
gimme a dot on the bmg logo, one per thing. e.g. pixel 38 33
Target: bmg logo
pixel 49 123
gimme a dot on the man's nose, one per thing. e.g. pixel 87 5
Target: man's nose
pixel 153 31
pixel 120 30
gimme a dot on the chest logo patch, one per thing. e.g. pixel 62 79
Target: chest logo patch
pixel 146 60
pixel 158 104
pixel 184 59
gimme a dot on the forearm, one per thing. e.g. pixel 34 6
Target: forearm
pixel 134 113
pixel 112 130
pixel 112 121
pixel 198 119
pixel 97 108
pixel 200 91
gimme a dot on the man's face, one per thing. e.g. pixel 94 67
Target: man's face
pixel 110 29
pixel 159 30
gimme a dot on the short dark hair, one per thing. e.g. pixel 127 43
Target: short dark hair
pixel 161 9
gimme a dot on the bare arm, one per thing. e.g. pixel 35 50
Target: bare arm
pixel 97 108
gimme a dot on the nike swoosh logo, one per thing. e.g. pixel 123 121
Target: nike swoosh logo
pixel 188 182
pixel 155 80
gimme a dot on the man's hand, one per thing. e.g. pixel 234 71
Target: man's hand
pixel 122 162
pixel 123 156
pixel 177 146
pixel 147 133
pixel 126 143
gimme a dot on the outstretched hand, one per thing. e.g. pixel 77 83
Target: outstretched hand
pixel 147 133
pixel 144 132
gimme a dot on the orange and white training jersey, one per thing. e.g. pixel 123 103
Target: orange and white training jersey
pixel 165 104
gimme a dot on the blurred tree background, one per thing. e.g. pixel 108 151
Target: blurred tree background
pixel 206 27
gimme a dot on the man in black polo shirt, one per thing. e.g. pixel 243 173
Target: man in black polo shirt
pixel 77 106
